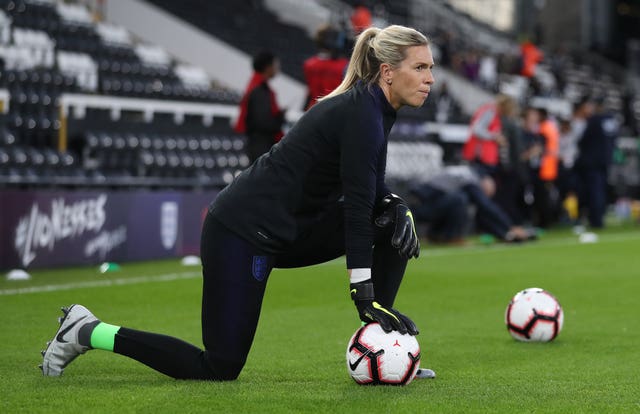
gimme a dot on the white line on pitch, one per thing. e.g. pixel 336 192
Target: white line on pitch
pixel 100 283
pixel 425 252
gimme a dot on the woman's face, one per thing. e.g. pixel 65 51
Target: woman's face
pixel 272 70
pixel 410 82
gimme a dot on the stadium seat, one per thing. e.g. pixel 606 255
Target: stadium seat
pixel 4 158
pixel 7 138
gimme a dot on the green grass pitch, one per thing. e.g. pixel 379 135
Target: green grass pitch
pixel 457 296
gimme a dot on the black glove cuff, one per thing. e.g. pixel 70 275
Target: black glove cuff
pixel 387 202
pixel 384 213
pixel 362 291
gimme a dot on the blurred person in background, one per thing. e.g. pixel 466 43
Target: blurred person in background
pixel 540 137
pixel 260 117
pixel 628 112
pixel 570 134
pixel 471 66
pixel 444 43
pixel 533 147
pixel 445 105
pixel 361 18
pixel 546 196
pixel 549 159
pixel 488 71
pixel 594 159
pixel 320 193
pixel 324 71
pixel 530 56
pixel 485 138
pixel 566 184
pixel 443 203
pixel 512 174
pixel 380 16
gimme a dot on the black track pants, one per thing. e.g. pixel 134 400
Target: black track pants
pixel 235 275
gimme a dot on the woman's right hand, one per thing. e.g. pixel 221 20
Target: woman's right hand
pixel 371 311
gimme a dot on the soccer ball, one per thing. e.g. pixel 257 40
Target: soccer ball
pixel 534 315
pixel 375 357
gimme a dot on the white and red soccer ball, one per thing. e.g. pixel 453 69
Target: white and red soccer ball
pixel 375 357
pixel 534 315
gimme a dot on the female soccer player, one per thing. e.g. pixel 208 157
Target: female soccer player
pixel 317 194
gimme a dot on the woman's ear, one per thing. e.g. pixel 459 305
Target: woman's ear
pixel 386 73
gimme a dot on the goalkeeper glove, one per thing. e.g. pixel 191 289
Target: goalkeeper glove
pixel 394 210
pixel 371 311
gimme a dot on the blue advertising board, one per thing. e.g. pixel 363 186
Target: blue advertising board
pixel 62 228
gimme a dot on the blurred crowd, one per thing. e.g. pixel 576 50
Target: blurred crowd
pixel 525 71
pixel 524 166
pixel 545 169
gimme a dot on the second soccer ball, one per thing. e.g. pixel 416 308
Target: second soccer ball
pixel 534 315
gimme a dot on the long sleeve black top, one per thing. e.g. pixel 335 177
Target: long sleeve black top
pixel 336 149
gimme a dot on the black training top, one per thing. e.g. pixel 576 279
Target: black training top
pixel 338 148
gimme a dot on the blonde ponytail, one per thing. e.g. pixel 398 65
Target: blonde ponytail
pixel 373 47
pixel 359 63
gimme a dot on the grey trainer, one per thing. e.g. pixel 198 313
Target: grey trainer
pixel 64 347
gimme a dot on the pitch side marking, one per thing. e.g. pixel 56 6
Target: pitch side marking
pixel 101 283
pixel 428 251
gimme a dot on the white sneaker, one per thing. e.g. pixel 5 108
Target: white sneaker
pixel 64 347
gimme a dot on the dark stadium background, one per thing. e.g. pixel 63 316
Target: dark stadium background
pixel 140 110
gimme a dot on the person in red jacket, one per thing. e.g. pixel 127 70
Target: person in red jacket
pixel 260 116
pixel 360 18
pixel 324 71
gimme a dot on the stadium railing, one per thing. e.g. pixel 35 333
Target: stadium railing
pixel 77 104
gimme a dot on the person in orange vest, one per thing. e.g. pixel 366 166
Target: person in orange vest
pixel 550 156
pixel 483 146
pixel 531 56
pixel 546 191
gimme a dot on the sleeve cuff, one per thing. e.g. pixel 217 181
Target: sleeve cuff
pixel 360 275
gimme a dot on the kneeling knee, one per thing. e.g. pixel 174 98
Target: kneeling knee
pixel 222 370
pixel 228 375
